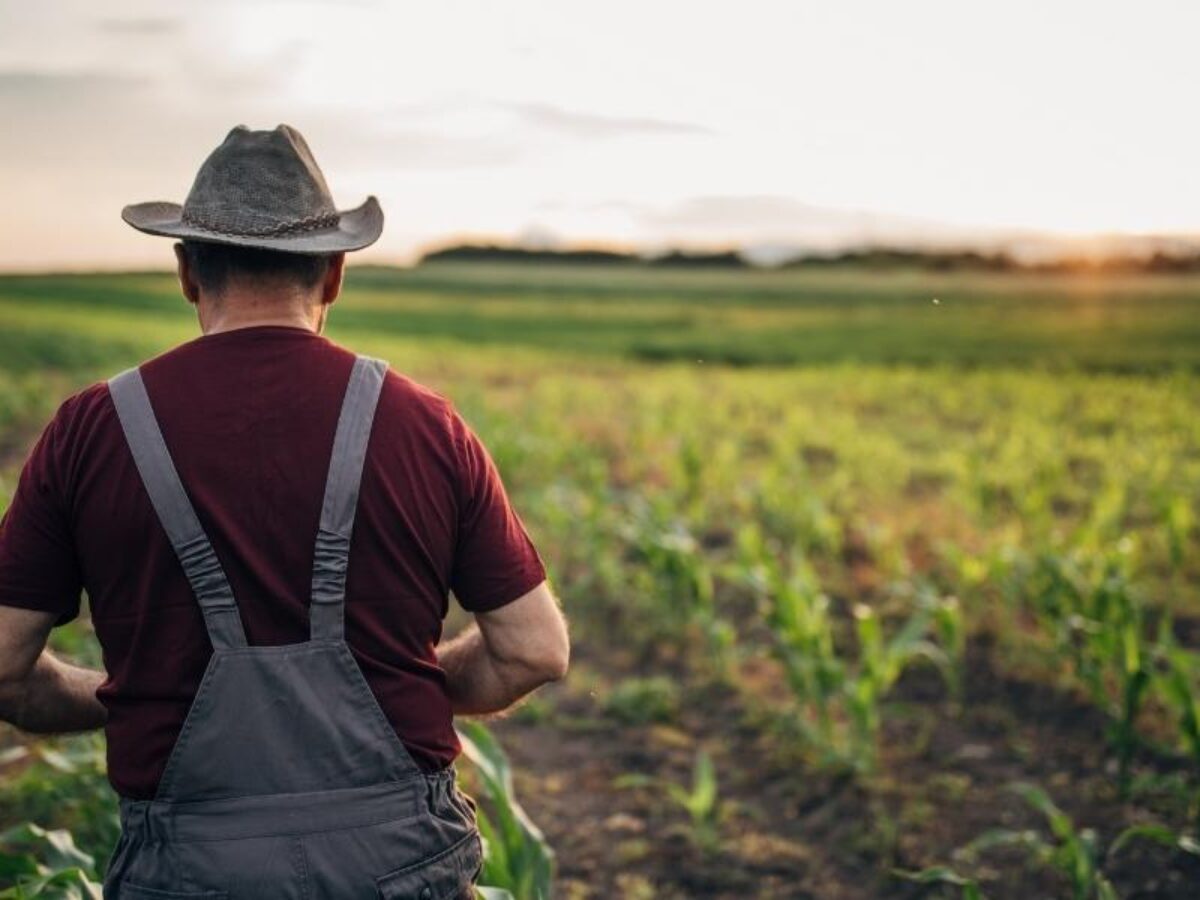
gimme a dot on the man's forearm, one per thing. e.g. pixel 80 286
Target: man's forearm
pixel 477 683
pixel 54 698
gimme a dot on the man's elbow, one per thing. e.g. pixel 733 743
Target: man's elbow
pixel 548 660
pixel 557 661
pixel 560 657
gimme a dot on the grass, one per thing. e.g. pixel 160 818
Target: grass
pixel 1126 324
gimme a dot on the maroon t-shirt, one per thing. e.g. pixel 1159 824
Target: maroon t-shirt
pixel 249 417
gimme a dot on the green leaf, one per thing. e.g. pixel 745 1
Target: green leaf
pixel 1003 837
pixel 67 884
pixel 1159 834
pixel 934 875
pixel 54 848
pixel 1060 823
pixel 704 785
pixel 943 875
pixel 517 857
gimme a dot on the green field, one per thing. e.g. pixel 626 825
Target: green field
pixel 881 547
pixel 741 317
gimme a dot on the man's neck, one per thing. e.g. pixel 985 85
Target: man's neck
pixel 234 311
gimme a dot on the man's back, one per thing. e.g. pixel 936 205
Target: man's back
pixel 268 527
pixel 248 416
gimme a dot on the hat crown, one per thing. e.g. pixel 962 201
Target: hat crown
pixel 260 183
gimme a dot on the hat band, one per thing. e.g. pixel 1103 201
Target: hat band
pixel 296 226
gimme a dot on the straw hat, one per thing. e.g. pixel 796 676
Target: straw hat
pixel 262 189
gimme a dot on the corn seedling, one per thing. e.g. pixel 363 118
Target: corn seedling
pixel 1183 695
pixel 1088 606
pixel 839 698
pixel 640 701
pixel 40 863
pixel 680 576
pixel 881 663
pixel 65 788
pixel 943 875
pixel 517 858
pixel 1074 852
pixel 700 800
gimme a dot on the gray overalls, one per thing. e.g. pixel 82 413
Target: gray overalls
pixel 286 779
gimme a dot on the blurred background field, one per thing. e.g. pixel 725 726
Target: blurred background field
pixel 850 557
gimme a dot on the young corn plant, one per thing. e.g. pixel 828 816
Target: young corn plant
pixel 1180 521
pixel 517 858
pixel 882 661
pixel 839 698
pixel 951 628
pixel 1121 640
pixel 64 789
pixel 700 800
pixel 944 875
pixel 1088 606
pixel 682 577
pixel 1076 853
pixel 641 701
pixel 798 614
pixel 1182 692
pixel 39 863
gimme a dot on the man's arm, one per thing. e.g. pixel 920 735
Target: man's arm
pixel 38 692
pixel 507 653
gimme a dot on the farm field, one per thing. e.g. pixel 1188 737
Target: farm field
pixel 881 584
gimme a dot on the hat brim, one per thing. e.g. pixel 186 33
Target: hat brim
pixel 356 228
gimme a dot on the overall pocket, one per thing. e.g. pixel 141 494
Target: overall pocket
pixel 128 891
pixel 447 875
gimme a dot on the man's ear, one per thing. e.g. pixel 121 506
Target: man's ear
pixel 187 283
pixel 331 286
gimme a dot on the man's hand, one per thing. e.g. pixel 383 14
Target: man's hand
pixel 38 692
pixel 506 654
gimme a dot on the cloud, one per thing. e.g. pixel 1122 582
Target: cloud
pixel 776 220
pixel 579 124
pixel 428 150
pixel 67 119
pixel 761 211
pixel 41 82
pixel 356 142
pixel 146 26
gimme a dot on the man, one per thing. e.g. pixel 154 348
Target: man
pixel 268 528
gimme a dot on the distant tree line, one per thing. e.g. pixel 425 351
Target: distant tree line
pixel 872 258
pixel 500 253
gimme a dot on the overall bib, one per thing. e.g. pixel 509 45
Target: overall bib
pixel 286 780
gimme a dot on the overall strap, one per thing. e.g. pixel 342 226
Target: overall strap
pixel 332 554
pixel 175 511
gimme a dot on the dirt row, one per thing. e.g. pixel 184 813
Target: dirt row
pixel 946 777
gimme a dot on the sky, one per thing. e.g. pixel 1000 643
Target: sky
pixel 648 124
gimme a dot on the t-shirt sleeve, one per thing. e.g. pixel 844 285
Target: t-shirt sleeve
pixel 495 562
pixel 39 569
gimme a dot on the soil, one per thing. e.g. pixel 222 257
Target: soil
pixel 786 830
